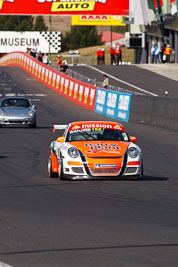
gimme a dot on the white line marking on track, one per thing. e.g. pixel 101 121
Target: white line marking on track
pixel 10 95
pixel 22 95
pixel 2 264
pixel 136 87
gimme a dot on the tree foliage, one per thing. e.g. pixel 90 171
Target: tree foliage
pixel 21 23
pixel 120 29
pixel 81 36
pixel 39 24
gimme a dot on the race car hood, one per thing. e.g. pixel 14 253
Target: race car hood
pixel 15 111
pixel 101 149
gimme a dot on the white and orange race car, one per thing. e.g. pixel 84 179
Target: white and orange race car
pixel 94 150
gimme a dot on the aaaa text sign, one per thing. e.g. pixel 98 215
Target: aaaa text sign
pixel 63 7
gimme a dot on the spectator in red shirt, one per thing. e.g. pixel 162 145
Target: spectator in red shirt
pixel 118 55
pixel 102 54
pixel 98 56
pixel 112 54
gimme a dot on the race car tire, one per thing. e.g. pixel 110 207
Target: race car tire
pixel 60 172
pixel 50 172
pixel 140 177
pixel 33 125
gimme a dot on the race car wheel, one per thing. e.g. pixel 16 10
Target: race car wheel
pixel 60 172
pixel 50 172
pixel 140 177
pixel 33 125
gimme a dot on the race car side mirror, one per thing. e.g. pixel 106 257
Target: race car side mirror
pixel 61 139
pixel 133 139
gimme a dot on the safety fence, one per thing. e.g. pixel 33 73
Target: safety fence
pixel 96 83
pixel 109 103
pixel 79 92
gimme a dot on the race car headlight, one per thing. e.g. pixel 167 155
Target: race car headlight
pixel 30 113
pixel 2 113
pixel 73 152
pixel 133 152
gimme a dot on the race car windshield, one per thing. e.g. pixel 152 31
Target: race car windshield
pixel 15 103
pixel 97 135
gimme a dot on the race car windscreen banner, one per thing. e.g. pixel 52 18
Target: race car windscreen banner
pixel 64 7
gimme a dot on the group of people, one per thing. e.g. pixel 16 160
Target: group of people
pixel 116 55
pixel 62 65
pixel 100 54
pixel 38 55
pixel 160 54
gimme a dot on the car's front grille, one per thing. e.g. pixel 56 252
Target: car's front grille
pixel 77 169
pixel 131 170
pixel 15 121
pixel 105 171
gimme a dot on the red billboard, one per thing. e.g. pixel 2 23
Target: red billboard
pixel 64 7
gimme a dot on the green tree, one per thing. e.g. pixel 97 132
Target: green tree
pixel 120 29
pixel 21 23
pixel 81 36
pixel 39 24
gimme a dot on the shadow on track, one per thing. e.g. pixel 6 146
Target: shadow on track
pixel 88 248
pixel 57 182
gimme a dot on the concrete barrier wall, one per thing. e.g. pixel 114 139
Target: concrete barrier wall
pixel 156 111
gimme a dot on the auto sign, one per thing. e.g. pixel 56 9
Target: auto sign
pixel 63 7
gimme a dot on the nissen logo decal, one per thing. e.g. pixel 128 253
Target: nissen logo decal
pixel 105 166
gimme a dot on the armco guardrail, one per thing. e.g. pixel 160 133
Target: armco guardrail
pixel 79 92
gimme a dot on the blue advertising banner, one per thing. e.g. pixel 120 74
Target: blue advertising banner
pixel 113 104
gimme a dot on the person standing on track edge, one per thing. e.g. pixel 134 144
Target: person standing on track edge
pixel 105 81
pixel 167 52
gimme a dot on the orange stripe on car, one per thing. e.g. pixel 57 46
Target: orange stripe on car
pixel 74 163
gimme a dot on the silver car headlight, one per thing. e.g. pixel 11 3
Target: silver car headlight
pixel 133 152
pixel 2 113
pixel 30 113
pixel 73 152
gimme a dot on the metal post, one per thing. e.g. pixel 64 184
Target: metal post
pixel 49 54
pixel 161 18
pixel 111 36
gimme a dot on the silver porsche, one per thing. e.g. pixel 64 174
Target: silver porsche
pixel 17 111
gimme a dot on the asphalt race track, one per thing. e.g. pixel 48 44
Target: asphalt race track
pixel 131 78
pixel 45 222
